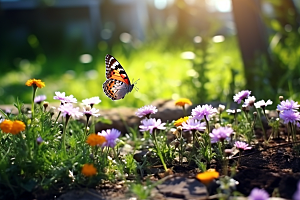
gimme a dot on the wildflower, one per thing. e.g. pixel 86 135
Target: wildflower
pixel 289 116
pixel 296 195
pixel 193 125
pixel 221 108
pixel 88 170
pixel 288 105
pixel 241 96
pixel 35 83
pixel 258 194
pixel 233 111
pixel 17 127
pixel 249 101
pixel 94 139
pixel 6 126
pixel 262 103
pixel 88 111
pixel 69 110
pixel 241 145
pixel 39 140
pixel 208 176
pixel 151 124
pixel 220 134
pixel 179 121
pixel 182 102
pixel 146 111
pixel 91 101
pixel 204 111
pixel 39 99
pixel 111 135
pixel 64 99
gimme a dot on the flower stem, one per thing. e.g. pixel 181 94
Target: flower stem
pixel 261 124
pixel 34 87
pixel 63 144
pixel 158 150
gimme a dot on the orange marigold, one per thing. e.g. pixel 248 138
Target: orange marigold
pixel 88 170
pixel 17 127
pixel 6 126
pixel 179 121
pixel 36 82
pixel 208 176
pixel 94 139
pixel 182 101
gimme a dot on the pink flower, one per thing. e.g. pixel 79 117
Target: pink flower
pixel 241 145
pixel 91 101
pixel 241 96
pixel 146 111
pixel 64 99
pixel 69 110
pixel 289 116
pixel 88 111
pixel 38 99
pixel 151 124
pixel 111 136
pixel 220 134
pixel 262 103
pixel 206 110
pixel 258 194
pixel 288 105
pixel 193 124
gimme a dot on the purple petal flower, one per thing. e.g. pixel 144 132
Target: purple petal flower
pixel 111 136
pixel 242 95
pixel 146 111
pixel 296 195
pixel 88 111
pixel 258 194
pixel 206 110
pixel 289 116
pixel 91 101
pixel 220 134
pixel 40 98
pixel 241 145
pixel 39 140
pixel 64 99
pixel 288 105
pixel 249 101
pixel 68 109
pixel 151 124
pixel 262 103
pixel 193 125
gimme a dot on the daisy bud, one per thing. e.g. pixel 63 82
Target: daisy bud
pixel 281 98
pixel 45 104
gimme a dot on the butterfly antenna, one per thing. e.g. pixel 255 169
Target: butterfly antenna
pixel 135 82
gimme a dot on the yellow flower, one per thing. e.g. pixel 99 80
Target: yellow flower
pixel 35 82
pixel 88 170
pixel 182 101
pixel 179 121
pixel 17 127
pixel 94 139
pixel 208 176
pixel 6 126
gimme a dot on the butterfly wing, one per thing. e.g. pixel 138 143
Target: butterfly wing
pixel 117 84
pixel 114 70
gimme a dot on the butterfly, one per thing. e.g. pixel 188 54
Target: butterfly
pixel 117 84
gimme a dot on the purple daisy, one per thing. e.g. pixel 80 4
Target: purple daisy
pixel 241 96
pixel 68 110
pixel 288 105
pixel 88 111
pixel 91 101
pixel 39 140
pixel 289 116
pixel 193 125
pixel 146 111
pixel 220 134
pixel 258 194
pixel 249 101
pixel 151 124
pixel 64 99
pixel 206 110
pixel 111 136
pixel 241 145
pixel 262 103
pixel 38 99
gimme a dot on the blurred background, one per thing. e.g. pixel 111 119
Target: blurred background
pixel 205 50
